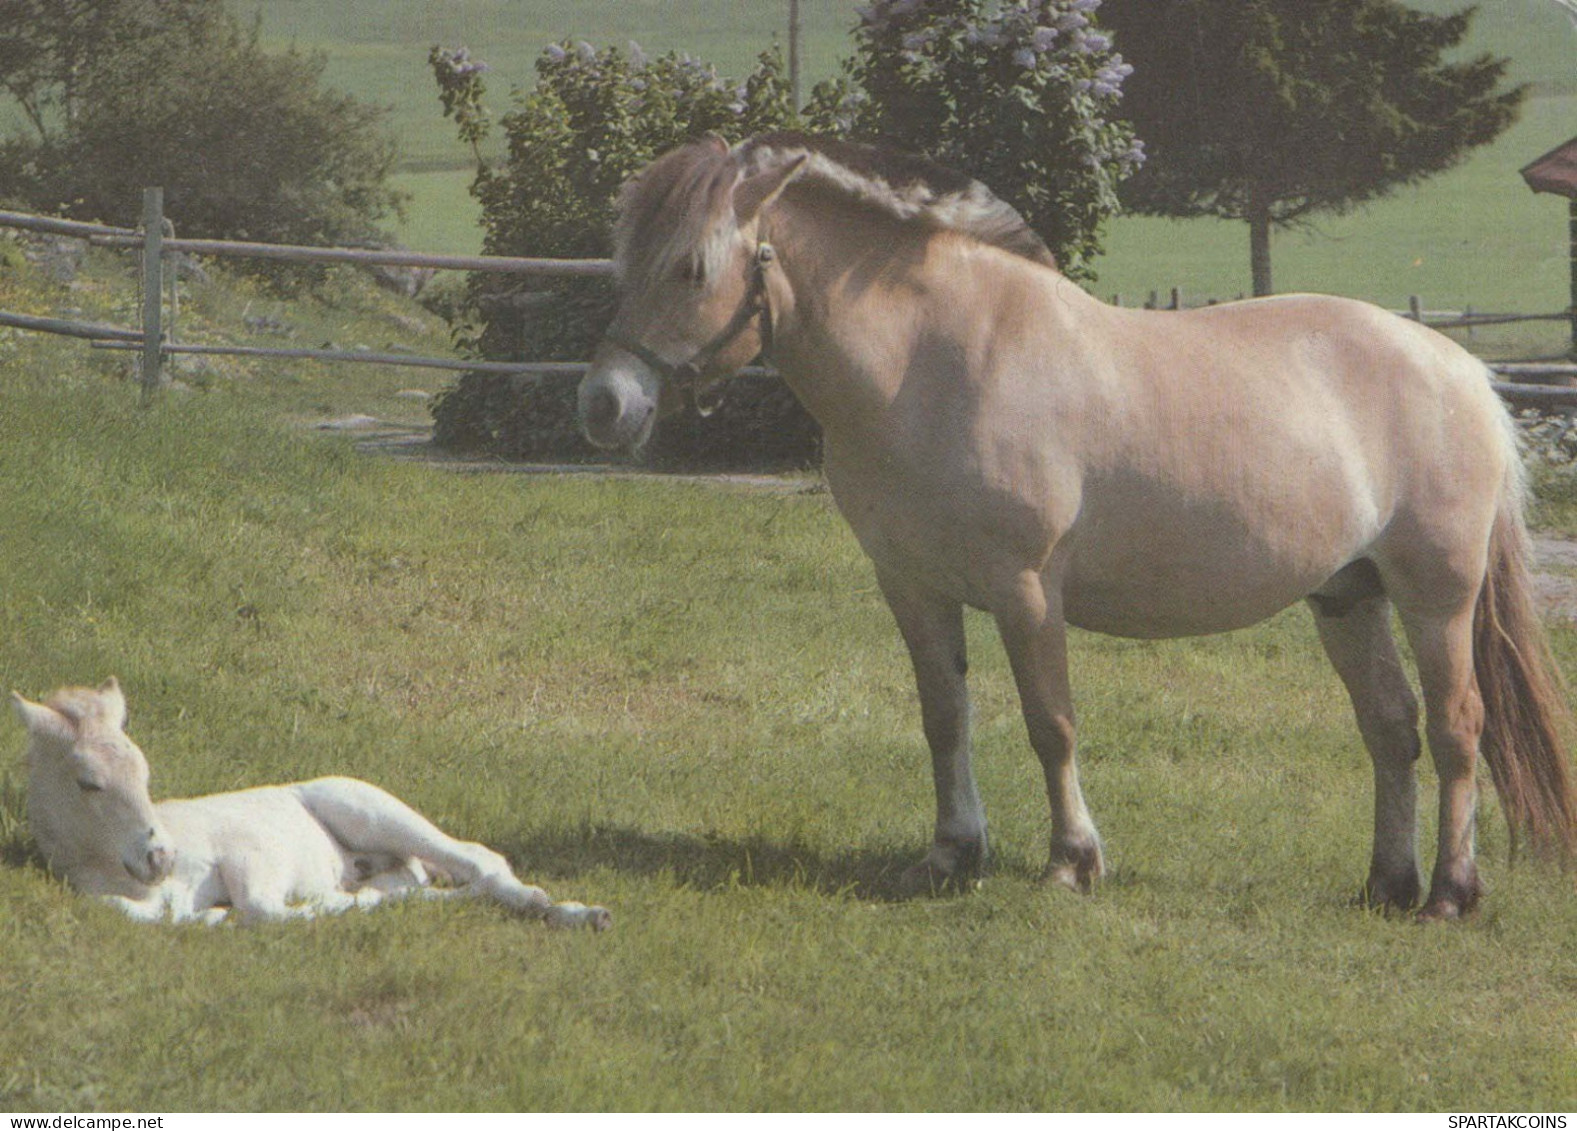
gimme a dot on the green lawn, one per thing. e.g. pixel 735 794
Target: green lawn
pixel 688 703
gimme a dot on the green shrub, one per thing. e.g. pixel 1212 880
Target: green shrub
pixel 248 144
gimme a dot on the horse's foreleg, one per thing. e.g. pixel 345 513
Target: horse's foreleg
pixel 1454 720
pixel 1358 640
pixel 933 629
pixel 1035 636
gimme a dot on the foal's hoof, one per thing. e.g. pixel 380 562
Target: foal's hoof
pixel 569 915
pixel 1077 867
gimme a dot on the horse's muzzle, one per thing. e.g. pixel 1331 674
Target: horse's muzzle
pixel 617 404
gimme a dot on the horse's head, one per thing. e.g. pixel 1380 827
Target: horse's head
pixel 694 273
pixel 88 783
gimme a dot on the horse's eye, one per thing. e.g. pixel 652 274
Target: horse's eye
pixel 87 786
pixel 692 271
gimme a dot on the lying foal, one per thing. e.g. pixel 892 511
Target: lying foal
pixel 275 852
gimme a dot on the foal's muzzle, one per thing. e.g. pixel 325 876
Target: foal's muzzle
pixel 152 861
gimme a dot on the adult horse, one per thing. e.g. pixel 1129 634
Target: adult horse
pixel 998 438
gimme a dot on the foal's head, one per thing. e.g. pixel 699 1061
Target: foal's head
pixel 692 271
pixel 88 783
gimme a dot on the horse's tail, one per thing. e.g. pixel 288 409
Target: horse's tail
pixel 1525 705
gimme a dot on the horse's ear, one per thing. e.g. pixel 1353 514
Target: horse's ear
pixel 716 140
pixel 753 194
pixel 42 720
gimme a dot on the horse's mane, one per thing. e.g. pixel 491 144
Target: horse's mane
pixel 669 212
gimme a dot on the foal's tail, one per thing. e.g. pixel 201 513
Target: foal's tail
pixel 1525 708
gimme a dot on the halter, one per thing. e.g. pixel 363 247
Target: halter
pixel 686 375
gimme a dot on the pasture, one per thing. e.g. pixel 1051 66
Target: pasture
pixel 687 702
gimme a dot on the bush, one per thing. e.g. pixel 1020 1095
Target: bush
pixel 122 94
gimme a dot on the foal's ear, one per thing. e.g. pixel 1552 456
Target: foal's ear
pixel 42 720
pixel 753 194
pixel 115 699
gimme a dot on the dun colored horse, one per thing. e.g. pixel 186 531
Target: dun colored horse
pixel 998 438
pixel 275 852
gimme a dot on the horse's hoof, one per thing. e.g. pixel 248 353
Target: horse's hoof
pixel 1078 867
pixel 1453 897
pixel 927 879
pixel 947 869
pixel 1390 894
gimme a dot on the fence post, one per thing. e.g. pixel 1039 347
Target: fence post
pixel 152 289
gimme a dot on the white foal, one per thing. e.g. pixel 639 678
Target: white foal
pixel 275 852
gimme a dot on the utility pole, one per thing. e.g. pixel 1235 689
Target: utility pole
pixel 793 59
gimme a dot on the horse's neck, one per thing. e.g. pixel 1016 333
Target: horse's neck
pixel 869 296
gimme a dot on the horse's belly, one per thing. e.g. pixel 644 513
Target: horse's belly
pixel 1134 590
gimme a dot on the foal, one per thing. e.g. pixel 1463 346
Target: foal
pixel 274 852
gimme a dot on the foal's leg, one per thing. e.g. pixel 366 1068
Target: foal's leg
pixel 1035 635
pixel 933 628
pixel 1454 720
pixel 367 819
pixel 1358 640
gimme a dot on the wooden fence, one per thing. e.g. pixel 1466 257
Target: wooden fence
pixel 156 239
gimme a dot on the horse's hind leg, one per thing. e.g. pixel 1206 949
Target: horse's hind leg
pixel 1357 637
pixel 1454 720
pixel 367 819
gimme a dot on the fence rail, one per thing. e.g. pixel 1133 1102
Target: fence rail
pixel 374 257
pixel 156 239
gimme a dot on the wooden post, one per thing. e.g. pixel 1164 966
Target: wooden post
pixel 152 289
pixel 1177 298
pixel 1415 308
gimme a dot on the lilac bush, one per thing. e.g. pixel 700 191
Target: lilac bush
pixel 1023 95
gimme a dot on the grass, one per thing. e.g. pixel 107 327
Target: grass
pixel 686 702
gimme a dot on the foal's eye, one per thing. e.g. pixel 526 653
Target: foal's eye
pixel 87 786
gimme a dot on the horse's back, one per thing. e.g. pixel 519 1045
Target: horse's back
pixel 1252 450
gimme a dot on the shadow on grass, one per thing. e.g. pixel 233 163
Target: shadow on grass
pixel 710 862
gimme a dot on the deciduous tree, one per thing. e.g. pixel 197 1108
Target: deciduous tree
pixel 1270 111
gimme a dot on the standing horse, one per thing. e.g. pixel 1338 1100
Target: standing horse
pixel 274 852
pixel 998 438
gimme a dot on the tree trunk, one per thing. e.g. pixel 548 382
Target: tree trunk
pixel 1259 246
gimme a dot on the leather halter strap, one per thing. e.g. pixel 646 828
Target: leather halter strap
pixel 686 375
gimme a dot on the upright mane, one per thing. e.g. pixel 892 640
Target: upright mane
pixel 676 209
